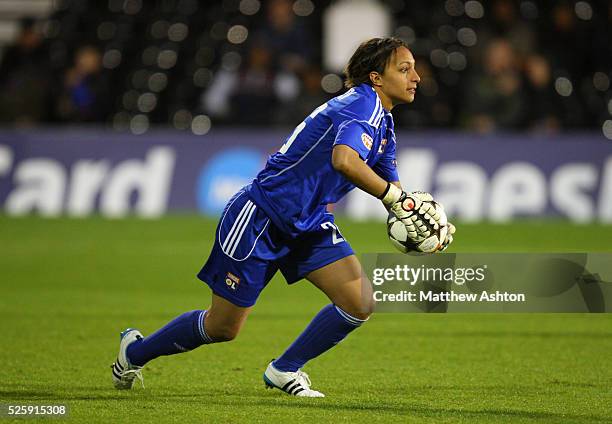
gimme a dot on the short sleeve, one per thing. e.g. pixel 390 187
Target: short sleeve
pixel 356 135
pixel 386 167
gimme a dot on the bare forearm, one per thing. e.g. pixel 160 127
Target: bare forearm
pixel 348 163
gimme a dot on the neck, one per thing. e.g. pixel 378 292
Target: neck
pixel 384 99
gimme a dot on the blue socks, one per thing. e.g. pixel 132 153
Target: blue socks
pixel 326 330
pixel 184 333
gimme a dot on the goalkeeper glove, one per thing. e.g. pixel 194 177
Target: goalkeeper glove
pixel 413 209
pixel 449 237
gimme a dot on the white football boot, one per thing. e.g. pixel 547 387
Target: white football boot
pixel 125 373
pixel 294 383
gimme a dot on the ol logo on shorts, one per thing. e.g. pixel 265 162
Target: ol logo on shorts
pixel 232 281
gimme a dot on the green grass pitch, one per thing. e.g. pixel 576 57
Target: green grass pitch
pixel 67 287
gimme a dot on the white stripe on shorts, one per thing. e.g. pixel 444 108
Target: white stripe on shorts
pixel 246 222
pixel 236 225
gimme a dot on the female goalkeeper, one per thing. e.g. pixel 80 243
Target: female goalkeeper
pixel 280 222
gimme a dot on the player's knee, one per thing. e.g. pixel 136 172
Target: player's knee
pixel 370 307
pixel 362 315
pixel 367 309
pixel 361 309
pixel 224 333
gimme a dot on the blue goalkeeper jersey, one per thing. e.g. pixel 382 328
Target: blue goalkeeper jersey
pixel 299 181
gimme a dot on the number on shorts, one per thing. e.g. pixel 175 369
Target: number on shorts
pixel 336 236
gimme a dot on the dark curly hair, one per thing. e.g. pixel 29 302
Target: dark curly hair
pixel 371 55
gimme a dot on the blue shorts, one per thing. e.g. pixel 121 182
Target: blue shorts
pixel 249 249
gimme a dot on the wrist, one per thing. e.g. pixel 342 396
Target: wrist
pixel 391 194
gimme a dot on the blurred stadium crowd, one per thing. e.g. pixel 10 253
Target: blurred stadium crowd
pixel 188 64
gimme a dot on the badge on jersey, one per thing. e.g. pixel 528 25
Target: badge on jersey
pixel 366 140
pixel 232 281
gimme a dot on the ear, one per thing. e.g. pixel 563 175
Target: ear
pixel 376 78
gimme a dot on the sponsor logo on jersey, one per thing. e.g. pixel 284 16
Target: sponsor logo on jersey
pixel 232 281
pixel 383 143
pixel 366 140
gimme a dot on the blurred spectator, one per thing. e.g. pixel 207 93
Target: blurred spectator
pixel 266 87
pixel 310 98
pixel 541 112
pixel 25 79
pixel 254 98
pixel 289 44
pixel 246 95
pixel 431 107
pixel 288 40
pixel 506 23
pixel 488 66
pixel 564 41
pixel 85 94
pixel 494 97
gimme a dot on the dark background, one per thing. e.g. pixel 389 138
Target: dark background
pixel 541 67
